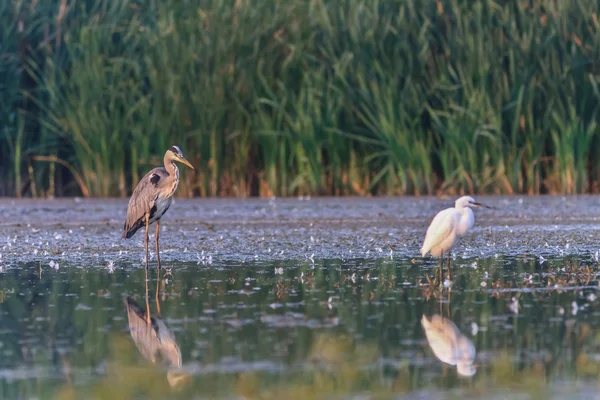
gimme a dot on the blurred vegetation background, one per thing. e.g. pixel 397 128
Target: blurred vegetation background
pixel 298 97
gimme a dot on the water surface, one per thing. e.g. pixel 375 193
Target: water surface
pixel 299 299
pixel 332 329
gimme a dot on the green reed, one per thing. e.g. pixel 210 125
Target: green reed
pixel 334 97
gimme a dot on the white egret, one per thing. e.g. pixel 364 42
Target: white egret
pixel 447 227
pixel 449 345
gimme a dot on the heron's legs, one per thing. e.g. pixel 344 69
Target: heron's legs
pixel 157 252
pixel 157 300
pixel 449 277
pixel 146 239
pixel 159 267
pixel 147 300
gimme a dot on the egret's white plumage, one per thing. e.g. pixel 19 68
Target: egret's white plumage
pixel 449 225
pixel 442 233
pixel 449 345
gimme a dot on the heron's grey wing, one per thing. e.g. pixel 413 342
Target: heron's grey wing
pixel 169 350
pixel 142 333
pixel 154 338
pixel 439 229
pixel 141 202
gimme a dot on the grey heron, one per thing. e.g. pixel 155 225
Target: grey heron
pixel 152 197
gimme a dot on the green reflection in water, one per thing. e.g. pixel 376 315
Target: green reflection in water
pixel 333 330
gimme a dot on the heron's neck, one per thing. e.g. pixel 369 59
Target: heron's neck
pixel 172 169
pixel 174 174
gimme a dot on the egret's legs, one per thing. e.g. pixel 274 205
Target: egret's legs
pixel 442 267
pixel 449 277
pixel 147 238
pixel 157 252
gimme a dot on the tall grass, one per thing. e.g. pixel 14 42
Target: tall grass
pixel 335 97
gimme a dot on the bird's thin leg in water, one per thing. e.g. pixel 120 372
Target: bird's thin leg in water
pixel 159 267
pixel 442 267
pixel 449 276
pixel 157 252
pixel 157 300
pixel 147 300
pixel 147 225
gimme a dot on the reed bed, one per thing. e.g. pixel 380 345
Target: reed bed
pixel 319 97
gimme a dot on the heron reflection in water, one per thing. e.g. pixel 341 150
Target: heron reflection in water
pixel 153 338
pixel 449 345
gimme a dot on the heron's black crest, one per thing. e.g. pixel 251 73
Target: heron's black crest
pixel 176 150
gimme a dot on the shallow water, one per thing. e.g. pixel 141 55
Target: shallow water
pixel 314 299
pixel 335 329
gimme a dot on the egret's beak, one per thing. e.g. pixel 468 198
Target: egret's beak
pixel 185 162
pixel 476 204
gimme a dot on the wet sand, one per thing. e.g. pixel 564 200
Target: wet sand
pixel 222 230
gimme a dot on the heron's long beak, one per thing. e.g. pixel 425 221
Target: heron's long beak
pixel 176 377
pixel 476 204
pixel 185 162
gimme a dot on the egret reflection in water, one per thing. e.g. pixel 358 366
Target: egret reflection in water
pixel 449 345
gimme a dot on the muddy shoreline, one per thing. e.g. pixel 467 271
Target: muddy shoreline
pixel 76 231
